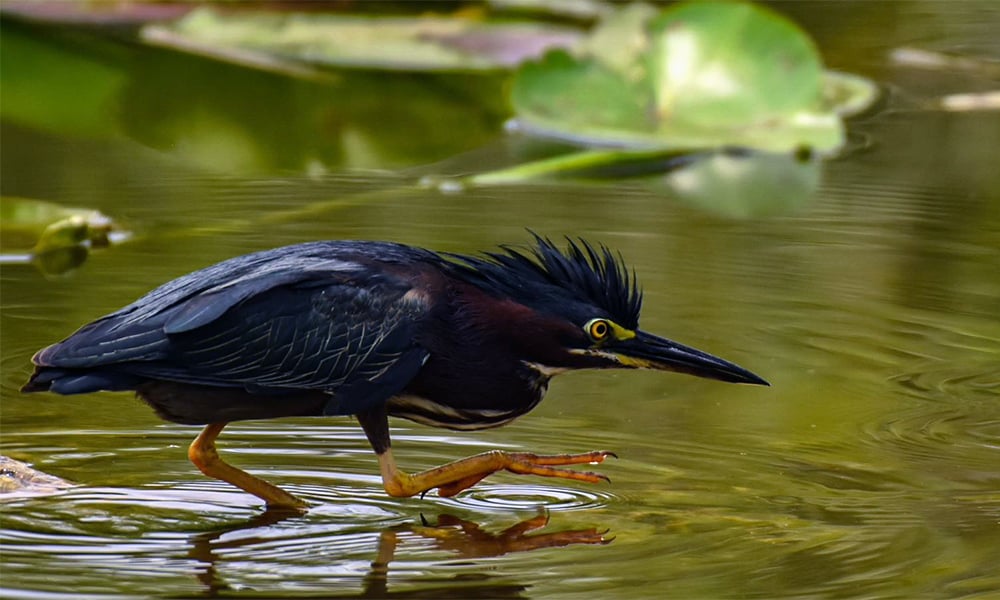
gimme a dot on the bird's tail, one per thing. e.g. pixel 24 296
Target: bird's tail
pixel 77 381
pixel 40 380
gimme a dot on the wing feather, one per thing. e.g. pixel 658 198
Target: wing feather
pixel 269 329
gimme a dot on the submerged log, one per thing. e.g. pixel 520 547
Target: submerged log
pixel 20 477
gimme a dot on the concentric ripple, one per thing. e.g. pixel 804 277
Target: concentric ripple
pixel 949 420
pixel 946 380
pixel 527 496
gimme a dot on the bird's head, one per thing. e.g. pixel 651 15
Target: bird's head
pixel 579 308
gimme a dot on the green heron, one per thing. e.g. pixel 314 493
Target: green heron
pixel 373 329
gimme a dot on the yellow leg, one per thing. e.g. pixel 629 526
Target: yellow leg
pixel 203 454
pixel 454 477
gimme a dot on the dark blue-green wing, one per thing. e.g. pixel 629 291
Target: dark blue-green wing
pixel 343 329
pixel 355 342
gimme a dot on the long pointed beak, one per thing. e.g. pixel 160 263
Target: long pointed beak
pixel 648 351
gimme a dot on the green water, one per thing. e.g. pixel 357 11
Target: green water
pixel 870 468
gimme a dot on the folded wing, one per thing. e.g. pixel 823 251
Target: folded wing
pixel 270 327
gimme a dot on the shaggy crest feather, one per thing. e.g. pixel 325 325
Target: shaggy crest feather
pixel 582 270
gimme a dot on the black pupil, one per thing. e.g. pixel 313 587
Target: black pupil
pixel 600 329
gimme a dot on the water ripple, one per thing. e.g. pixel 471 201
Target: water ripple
pixel 948 443
pixel 975 380
pixel 525 496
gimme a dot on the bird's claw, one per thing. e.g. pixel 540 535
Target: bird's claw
pixel 534 464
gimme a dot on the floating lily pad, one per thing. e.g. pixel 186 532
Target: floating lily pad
pixel 562 92
pixel 730 65
pixel 699 75
pixel 847 94
pixel 54 238
pixel 29 223
pixel 391 43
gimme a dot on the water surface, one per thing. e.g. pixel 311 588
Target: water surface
pixel 870 468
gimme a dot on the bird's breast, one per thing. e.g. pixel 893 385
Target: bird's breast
pixel 469 398
pixel 467 418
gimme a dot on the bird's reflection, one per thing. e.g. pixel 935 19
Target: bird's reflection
pixel 469 540
pixel 205 547
pixel 461 537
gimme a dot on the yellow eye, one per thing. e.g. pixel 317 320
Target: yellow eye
pixel 598 329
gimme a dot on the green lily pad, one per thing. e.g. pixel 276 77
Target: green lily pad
pixel 43 226
pixel 289 42
pixel 847 94
pixel 562 90
pixel 54 238
pixel 699 75
pixel 730 65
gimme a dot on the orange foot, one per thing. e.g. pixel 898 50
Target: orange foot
pixel 454 477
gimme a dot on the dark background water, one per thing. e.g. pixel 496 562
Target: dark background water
pixel 870 468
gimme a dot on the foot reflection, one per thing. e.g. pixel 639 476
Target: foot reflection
pixel 464 538
pixel 469 540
